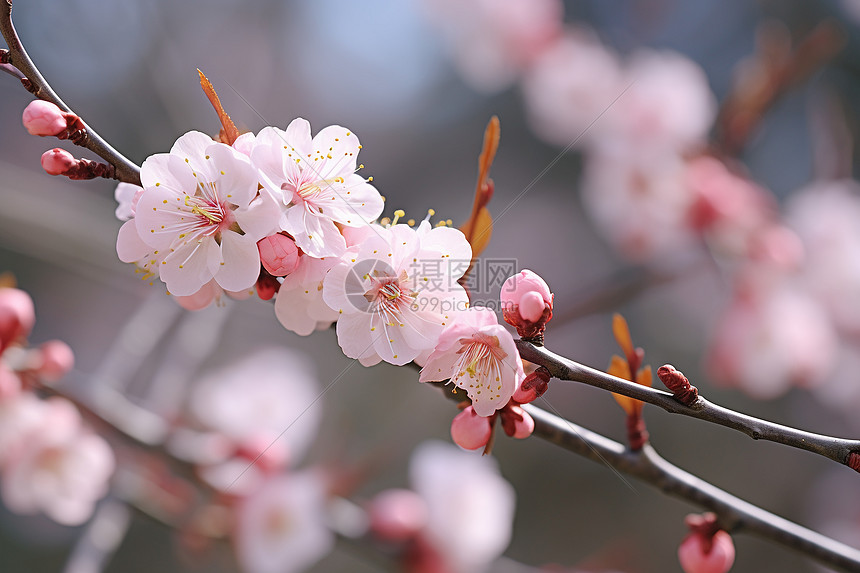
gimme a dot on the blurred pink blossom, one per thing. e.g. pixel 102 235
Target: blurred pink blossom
pixel 252 401
pixel 771 338
pixel 714 555
pixel 61 470
pixel 17 316
pixel 569 85
pixel 639 203
pixel 397 515
pixel 668 106
pixel 471 507
pixel 281 527
pixel 826 216
pixel 492 41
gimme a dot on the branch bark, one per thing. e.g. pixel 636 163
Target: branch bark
pixel 734 513
pixel 837 449
pixel 126 170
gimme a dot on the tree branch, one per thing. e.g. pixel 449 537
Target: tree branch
pixel 734 513
pixel 837 449
pixel 33 81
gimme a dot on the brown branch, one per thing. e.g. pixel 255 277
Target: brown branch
pixel 734 514
pixel 126 170
pixel 837 449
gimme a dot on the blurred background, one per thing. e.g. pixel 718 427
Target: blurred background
pixel 390 71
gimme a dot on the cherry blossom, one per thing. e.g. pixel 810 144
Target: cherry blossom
pixel 568 87
pixel 397 291
pixel 299 305
pixel 639 202
pixel 492 42
pixel 668 104
pixel 62 468
pixel 771 337
pixel 700 555
pixel 281 527
pixel 825 216
pixel 479 356
pixel 470 506
pixel 200 211
pixel 315 182
pixel 17 316
pixel 252 401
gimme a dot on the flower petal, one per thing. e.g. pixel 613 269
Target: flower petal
pixel 240 266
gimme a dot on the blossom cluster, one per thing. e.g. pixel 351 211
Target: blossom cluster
pixel 51 462
pixel 660 190
pixel 285 214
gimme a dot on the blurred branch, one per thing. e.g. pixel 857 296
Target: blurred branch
pixel 16 57
pixel 734 513
pixel 838 449
pixel 775 68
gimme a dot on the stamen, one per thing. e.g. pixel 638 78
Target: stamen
pixel 397 214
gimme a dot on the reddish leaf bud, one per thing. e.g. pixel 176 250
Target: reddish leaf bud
pixel 675 381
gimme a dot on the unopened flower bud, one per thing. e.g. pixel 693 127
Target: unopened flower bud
pixel 527 304
pixel 533 386
pixel 17 316
pixel 279 254
pixel 516 422
pixel 471 431
pixel 57 360
pixel 397 515
pixel 43 118
pixel 57 161
pixel 699 554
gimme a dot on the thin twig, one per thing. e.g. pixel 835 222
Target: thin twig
pixel 837 449
pixel 126 170
pixel 735 514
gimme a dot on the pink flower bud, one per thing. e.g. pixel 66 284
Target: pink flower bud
pixel 527 303
pixel 699 554
pixel 57 161
pixel 279 254
pixel 516 422
pixel 57 360
pixel 17 316
pixel 43 118
pixel 469 430
pixel 534 385
pixel 397 515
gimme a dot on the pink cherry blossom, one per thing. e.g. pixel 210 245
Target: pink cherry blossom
pixel 260 395
pixel 397 291
pixel 299 305
pixel 201 212
pixel 43 118
pixel 62 471
pixel 397 515
pixel 281 527
pixel 639 202
pixel 479 356
pixel 773 336
pixel 492 42
pixel 668 104
pixel 698 555
pixel 314 181
pixel 127 196
pixel 469 430
pixel 568 87
pixel 470 506
pixel 825 216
